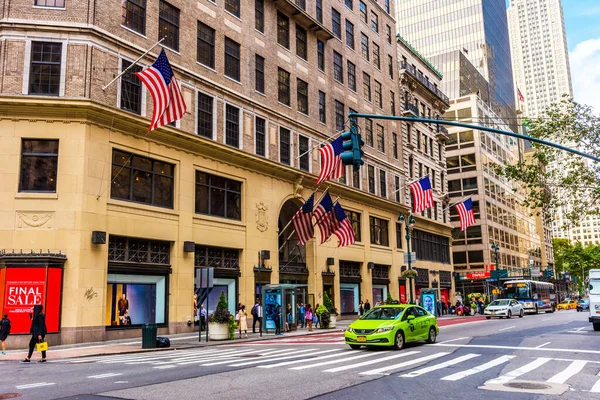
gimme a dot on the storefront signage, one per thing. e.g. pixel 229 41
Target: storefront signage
pixel 477 275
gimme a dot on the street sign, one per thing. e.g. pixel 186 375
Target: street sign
pixel 535 272
pixel 477 275
pixel 413 257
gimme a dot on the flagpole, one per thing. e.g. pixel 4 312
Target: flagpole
pixel 319 144
pixel 318 201
pixel 405 186
pixel 458 202
pixel 133 63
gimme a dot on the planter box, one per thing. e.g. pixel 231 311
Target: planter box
pixel 218 331
pixel 332 322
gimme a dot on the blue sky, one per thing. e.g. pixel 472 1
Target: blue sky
pixel 583 39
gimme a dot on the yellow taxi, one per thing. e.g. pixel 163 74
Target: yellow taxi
pixel 567 305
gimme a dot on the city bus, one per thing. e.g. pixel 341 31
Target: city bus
pixel 533 295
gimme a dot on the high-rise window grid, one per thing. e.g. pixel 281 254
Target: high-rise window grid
pixel 364 46
pixel 39 165
pixel 392 103
pixel 133 13
pixel 232 59
pixel 356 178
pixel 206 45
pixel 259 15
pixel 50 3
pixel 363 12
pixel 283 30
pixel 336 23
pixel 338 67
pixel 301 42
pixel 391 66
pixel 168 25
pixel 379 231
pixel 366 86
pixel 388 34
pixel 259 73
pixel 233 7
pixel 131 88
pixel 350 34
pixel 205 115
pixel 397 188
pixel 322 107
pixel 378 96
pixel 319 10
pixel 232 125
pixel 380 138
pixel 44 75
pixel 371 178
pixel 218 196
pixel 321 55
pixel 369 132
pixel 395 145
pixel 339 116
pixel 351 76
pixel 302 96
pixel 260 135
pixel 303 153
pixel 382 184
pixel 376 59
pixel 283 86
pixel 374 22
pixel 284 145
pixel 349 4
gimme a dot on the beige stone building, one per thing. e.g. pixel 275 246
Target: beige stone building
pixel 105 223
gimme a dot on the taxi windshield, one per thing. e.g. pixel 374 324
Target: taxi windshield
pixel 384 313
pixel 499 303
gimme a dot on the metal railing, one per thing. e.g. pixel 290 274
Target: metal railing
pixel 411 108
pixel 421 78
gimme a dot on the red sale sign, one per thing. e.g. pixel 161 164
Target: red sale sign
pixel 478 275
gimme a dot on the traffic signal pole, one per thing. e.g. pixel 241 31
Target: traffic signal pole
pixel 354 116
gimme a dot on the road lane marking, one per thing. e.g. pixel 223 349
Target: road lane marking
pixel 369 354
pixel 345 367
pixel 380 371
pixel 166 366
pixel 102 376
pixel 542 345
pixel 35 385
pixel 283 364
pixel 578 330
pixel 454 340
pixel 485 346
pixel 449 363
pixel 507 328
pixel 574 368
pixel 518 372
pixel 480 368
pixel 300 353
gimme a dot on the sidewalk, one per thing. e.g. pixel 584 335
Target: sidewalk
pixel 189 340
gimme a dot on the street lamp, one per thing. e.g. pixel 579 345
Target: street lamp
pixel 408 226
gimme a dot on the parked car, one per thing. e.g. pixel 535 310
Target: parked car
pixel 392 325
pixel 567 305
pixel 503 308
pixel 583 305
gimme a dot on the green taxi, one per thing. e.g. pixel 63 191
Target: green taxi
pixel 392 325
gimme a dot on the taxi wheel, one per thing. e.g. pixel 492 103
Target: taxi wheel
pixel 399 341
pixel 432 336
pixel 355 346
pixel 509 315
pixel 521 313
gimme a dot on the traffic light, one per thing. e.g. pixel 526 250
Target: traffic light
pixel 352 144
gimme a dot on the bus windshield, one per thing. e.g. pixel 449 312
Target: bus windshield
pixel 518 293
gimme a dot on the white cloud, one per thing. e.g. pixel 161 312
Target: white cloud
pixel 585 72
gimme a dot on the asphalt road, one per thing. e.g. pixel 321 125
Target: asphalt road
pixel 503 359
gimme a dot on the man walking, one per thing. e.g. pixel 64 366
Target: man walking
pixel 202 315
pixel 367 306
pixel 301 315
pixel 4 332
pixel 38 332
pixel 257 313
pixel 277 321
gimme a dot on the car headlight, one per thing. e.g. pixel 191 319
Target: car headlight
pixel 386 329
pixel 349 329
pixel 597 306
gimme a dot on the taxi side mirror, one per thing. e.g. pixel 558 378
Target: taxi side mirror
pixel 410 318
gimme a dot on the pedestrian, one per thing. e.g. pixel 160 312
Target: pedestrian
pixel 243 321
pixel 444 308
pixel 308 315
pixel 4 332
pixel 202 312
pixel 237 308
pixel 367 305
pixel 38 332
pixel 361 308
pixel 256 315
pixel 317 317
pixel 277 321
pixel 439 308
pixel 301 315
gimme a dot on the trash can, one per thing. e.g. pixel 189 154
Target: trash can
pixel 148 336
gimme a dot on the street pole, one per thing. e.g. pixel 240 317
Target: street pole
pixel 409 222
pixel 260 321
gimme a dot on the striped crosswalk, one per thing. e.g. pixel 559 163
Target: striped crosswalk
pixel 422 362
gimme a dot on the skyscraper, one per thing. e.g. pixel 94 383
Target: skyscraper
pixel 477 28
pixel 540 57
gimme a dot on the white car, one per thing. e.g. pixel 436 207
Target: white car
pixel 503 308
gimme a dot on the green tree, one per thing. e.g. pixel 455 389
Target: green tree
pixel 555 178
pixel 576 259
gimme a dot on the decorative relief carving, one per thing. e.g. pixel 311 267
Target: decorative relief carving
pixel 261 217
pixel 35 220
pixel 298 187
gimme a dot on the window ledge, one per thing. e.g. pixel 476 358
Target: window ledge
pixel 51 8
pixel 134 31
pixel 206 67
pixel 232 79
pixel 36 195
pixel 380 247
pixel 222 220
pixel 138 206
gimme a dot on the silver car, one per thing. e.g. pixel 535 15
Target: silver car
pixel 503 308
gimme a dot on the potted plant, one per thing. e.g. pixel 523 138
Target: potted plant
pixel 221 325
pixel 332 310
pixel 409 274
pixel 324 316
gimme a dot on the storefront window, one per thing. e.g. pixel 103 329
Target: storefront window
pixel 135 300
pixel 349 298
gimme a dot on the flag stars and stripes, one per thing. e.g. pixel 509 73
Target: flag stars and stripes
pixel 325 218
pixel 422 193
pixel 466 214
pixel 331 161
pixel 302 221
pixel 344 230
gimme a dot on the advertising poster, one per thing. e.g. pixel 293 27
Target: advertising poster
pixel 24 288
pixel 131 304
pixel 272 301
pixel 428 302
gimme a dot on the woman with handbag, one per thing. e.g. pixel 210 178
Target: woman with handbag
pixel 308 315
pixel 38 333
pixel 242 320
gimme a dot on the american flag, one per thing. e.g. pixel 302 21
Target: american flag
pixel 324 217
pixel 302 221
pixel 521 98
pixel 422 194
pixel 466 214
pixel 331 160
pixel 344 230
pixel 168 101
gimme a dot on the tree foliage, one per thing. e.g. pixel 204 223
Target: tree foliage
pixel 554 178
pixel 575 258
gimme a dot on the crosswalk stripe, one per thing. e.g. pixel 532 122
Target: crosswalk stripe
pixel 300 353
pixel 121 356
pixel 173 356
pixel 518 372
pixel 572 369
pixel 449 363
pixel 596 387
pixel 480 368
pixel 268 355
pixel 352 366
pixel 199 358
pixel 283 364
pixel 404 364
pixel 339 361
